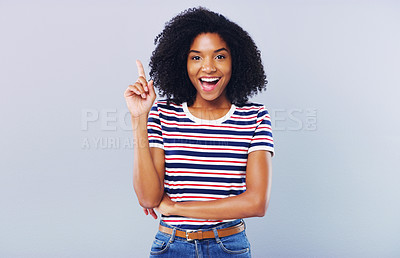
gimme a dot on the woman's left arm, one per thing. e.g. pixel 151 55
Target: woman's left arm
pixel 252 203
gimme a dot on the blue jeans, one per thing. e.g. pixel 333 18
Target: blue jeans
pixel 236 245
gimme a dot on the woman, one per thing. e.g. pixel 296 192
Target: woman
pixel 202 156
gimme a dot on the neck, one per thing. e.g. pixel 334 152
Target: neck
pixel 219 103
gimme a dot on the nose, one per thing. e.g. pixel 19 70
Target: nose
pixel 208 66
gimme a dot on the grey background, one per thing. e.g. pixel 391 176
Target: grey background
pixel 65 64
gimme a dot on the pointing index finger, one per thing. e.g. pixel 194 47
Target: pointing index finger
pixel 140 68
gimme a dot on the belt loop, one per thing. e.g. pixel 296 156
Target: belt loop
pixel 216 235
pixel 172 235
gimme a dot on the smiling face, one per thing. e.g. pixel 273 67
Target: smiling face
pixel 209 67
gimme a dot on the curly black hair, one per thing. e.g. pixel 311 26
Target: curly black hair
pixel 168 62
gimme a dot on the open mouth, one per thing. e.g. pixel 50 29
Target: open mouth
pixel 209 83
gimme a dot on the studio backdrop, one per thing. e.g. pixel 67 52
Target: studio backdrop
pixel 67 154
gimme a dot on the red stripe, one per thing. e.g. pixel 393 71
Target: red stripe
pixel 264 127
pixel 206 137
pixel 207 160
pixel 193 147
pixel 153 125
pixel 266 116
pixel 173 113
pixel 217 126
pixel 262 139
pixel 241 117
pixel 249 108
pixel 205 173
pixel 195 197
pixel 223 186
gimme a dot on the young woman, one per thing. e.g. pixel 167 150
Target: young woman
pixel 202 156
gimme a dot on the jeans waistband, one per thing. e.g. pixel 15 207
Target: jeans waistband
pixel 224 225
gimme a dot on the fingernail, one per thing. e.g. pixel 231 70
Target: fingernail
pixel 144 95
pixel 146 88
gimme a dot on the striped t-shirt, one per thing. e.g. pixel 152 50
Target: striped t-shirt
pixel 206 159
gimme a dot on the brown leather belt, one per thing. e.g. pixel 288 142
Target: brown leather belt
pixel 199 234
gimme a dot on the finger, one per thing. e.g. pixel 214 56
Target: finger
pixel 136 88
pixel 145 211
pixel 131 91
pixel 140 68
pixel 140 86
pixel 151 88
pixel 139 90
pixel 152 213
pixel 143 81
pixel 128 92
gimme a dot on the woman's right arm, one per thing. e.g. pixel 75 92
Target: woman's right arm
pixel 148 170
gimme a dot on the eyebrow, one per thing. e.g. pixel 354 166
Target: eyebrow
pixel 216 51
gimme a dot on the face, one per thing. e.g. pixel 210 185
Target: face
pixel 209 67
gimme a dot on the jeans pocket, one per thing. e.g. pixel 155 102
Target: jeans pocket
pixel 235 244
pixel 160 244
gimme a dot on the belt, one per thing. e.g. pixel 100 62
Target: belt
pixel 199 234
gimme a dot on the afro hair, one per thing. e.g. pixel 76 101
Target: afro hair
pixel 168 63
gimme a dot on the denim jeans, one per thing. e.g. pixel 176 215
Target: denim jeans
pixel 236 245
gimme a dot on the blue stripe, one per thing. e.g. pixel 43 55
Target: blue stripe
pixel 225 154
pixel 245 113
pixel 263 133
pixel 175 119
pixel 206 142
pixel 170 107
pixel 204 166
pixel 262 113
pixel 154 120
pixel 240 122
pixel 152 131
pixel 266 122
pixel 196 227
pixel 262 144
pixel 208 131
pixel 203 191
pixel 206 179
pixel 156 141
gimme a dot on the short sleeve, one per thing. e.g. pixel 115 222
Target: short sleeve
pixel 262 137
pixel 154 128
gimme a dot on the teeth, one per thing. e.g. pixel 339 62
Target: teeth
pixel 209 79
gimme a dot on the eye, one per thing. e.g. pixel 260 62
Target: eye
pixel 220 57
pixel 195 58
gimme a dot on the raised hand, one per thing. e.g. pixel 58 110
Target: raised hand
pixel 140 96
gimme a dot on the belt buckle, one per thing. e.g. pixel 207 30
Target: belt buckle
pixel 187 234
